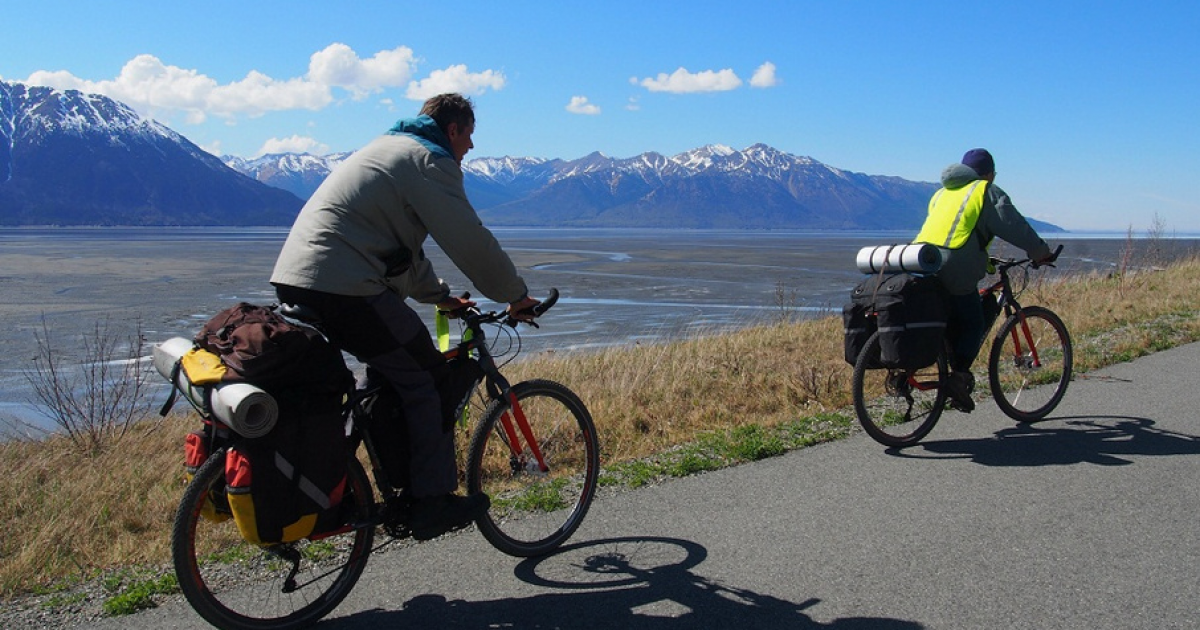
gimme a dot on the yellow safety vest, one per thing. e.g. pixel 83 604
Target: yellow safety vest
pixel 952 215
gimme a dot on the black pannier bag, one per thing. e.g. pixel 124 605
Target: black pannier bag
pixel 908 310
pixel 291 483
pixel 858 322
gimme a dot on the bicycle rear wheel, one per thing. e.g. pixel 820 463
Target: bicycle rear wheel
pixel 234 584
pixel 1030 364
pixel 534 511
pixel 897 407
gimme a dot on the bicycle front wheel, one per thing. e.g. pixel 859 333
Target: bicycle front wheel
pixel 1030 364
pixel 535 508
pixel 897 407
pixel 235 584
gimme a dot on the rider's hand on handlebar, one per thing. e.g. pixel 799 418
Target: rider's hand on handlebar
pixel 452 305
pixel 1048 259
pixel 522 309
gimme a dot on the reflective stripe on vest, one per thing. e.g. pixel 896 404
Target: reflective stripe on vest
pixel 952 215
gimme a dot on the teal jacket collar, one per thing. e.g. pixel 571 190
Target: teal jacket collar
pixel 425 130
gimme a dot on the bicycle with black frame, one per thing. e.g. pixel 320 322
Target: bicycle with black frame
pixel 534 451
pixel 1028 367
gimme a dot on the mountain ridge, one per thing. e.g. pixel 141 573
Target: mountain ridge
pixel 714 186
pixel 68 158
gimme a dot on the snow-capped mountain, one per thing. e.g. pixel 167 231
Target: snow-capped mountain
pixel 68 158
pixel 714 186
pixel 298 173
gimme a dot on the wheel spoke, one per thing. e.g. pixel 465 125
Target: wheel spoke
pixel 534 509
pixel 1029 377
pixel 235 584
pixel 897 407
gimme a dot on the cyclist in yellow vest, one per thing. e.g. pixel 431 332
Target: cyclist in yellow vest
pixel 964 216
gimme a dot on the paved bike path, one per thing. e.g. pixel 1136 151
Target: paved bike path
pixel 1086 520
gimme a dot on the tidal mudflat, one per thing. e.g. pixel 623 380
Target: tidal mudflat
pixel 618 286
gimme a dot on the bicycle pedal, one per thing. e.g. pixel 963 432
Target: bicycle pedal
pixel 398 531
pixel 959 406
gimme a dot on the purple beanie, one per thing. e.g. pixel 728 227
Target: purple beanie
pixel 980 160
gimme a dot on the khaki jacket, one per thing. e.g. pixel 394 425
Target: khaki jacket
pixel 363 230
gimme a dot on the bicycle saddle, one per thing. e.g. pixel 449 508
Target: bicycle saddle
pixel 300 312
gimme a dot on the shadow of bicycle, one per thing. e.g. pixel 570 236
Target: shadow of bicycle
pixel 1067 440
pixel 642 583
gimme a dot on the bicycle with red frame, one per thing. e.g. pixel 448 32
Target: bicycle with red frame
pixel 534 452
pixel 1029 366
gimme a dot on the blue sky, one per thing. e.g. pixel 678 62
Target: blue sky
pixel 1089 107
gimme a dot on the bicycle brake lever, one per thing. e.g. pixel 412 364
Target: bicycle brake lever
pixel 513 321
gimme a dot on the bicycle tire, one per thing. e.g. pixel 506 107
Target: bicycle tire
pixel 896 407
pixel 1024 392
pixel 533 512
pixel 236 585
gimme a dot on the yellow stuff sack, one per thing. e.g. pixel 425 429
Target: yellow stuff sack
pixel 202 367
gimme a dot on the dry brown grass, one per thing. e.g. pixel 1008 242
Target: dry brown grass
pixel 647 398
pixel 67 516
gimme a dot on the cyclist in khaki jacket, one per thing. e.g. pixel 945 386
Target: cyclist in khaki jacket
pixel 964 216
pixel 355 254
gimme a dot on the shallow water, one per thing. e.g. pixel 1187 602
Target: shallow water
pixel 618 286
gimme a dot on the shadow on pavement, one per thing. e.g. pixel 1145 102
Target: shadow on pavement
pixel 1102 440
pixel 635 582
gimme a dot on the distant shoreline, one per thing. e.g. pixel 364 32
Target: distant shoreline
pixel 224 229
pixel 619 285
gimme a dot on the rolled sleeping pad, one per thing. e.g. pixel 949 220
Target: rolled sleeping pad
pixel 248 410
pixel 912 257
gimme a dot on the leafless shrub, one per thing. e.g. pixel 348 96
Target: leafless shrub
pixel 786 301
pixel 1155 254
pixel 92 401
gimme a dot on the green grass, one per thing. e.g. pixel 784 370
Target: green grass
pixel 714 450
pixel 133 592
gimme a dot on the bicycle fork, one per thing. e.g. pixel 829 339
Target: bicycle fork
pixel 510 433
pixel 1020 358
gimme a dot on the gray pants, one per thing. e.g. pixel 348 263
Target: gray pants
pixel 386 334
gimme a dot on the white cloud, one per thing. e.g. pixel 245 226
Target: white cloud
pixel 159 90
pixel 455 79
pixel 764 76
pixel 258 94
pixel 681 81
pixel 213 148
pixel 338 65
pixel 580 105
pixel 294 144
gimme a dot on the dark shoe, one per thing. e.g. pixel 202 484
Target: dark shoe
pixel 431 517
pixel 959 386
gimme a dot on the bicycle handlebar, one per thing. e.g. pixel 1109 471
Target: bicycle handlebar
pixel 545 304
pixel 1049 261
pixel 1006 263
pixel 474 315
